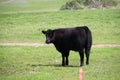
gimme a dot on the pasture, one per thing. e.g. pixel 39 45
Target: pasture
pixel 13 6
pixel 22 21
pixel 104 24
pixel 43 63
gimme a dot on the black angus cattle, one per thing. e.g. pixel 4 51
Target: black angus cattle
pixel 66 39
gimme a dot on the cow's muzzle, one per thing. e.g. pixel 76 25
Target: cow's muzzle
pixel 48 42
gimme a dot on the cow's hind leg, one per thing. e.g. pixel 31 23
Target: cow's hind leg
pixel 81 57
pixel 87 52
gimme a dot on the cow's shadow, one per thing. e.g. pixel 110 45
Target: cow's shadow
pixel 52 65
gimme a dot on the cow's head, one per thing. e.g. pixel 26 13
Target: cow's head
pixel 49 36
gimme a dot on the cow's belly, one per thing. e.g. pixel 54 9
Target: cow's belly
pixel 76 47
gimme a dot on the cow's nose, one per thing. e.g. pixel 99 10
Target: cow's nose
pixel 48 41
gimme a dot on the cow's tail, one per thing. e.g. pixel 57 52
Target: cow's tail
pixel 88 37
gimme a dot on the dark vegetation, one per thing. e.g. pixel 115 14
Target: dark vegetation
pixel 81 4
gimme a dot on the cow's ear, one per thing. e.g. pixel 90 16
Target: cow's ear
pixel 44 32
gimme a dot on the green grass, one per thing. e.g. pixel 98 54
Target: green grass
pixel 27 27
pixel 11 6
pixel 23 22
pixel 43 63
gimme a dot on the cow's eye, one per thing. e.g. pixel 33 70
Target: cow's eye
pixel 49 34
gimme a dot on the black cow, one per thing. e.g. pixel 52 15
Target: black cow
pixel 66 39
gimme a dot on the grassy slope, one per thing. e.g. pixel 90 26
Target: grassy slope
pixel 23 20
pixel 7 6
pixel 26 27
pixel 11 6
pixel 35 63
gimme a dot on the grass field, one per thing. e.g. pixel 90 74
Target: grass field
pixel 11 6
pixel 27 27
pixel 23 21
pixel 43 63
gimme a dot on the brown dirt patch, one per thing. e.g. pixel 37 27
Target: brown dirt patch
pixel 43 44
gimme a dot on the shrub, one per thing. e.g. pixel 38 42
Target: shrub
pixel 72 5
pixel 106 3
pixel 80 4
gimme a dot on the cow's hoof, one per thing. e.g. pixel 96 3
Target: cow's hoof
pixel 87 63
pixel 63 64
pixel 67 64
pixel 81 65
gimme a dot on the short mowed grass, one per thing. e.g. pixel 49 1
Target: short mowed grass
pixel 43 63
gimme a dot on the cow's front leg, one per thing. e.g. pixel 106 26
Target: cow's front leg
pixel 65 55
pixel 67 60
pixel 63 60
